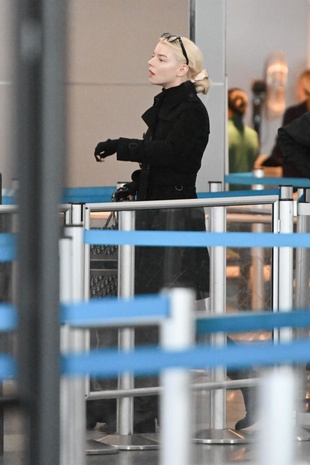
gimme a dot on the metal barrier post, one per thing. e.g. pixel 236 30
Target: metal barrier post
pixel 276 435
pixel 177 333
pixel 218 434
pixel 73 390
pixel 286 223
pixel 126 335
pixel 74 283
pixel 258 257
pixel 218 306
pixel 124 439
pixel 302 281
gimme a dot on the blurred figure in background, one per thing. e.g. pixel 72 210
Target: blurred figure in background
pixel 243 143
pixel 276 157
pixel 294 140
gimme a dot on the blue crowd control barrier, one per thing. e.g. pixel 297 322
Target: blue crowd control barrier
pixel 115 311
pixel 250 179
pixel 8 318
pixel 196 239
pixel 243 193
pixel 8 247
pixel 103 194
pixel 146 361
pixel 8 368
pixel 88 194
pixel 253 321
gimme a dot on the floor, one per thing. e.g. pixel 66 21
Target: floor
pixel 97 452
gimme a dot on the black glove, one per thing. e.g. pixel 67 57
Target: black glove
pixel 105 149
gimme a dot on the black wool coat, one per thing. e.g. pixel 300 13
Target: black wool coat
pixel 170 153
pixel 170 157
pixel 294 139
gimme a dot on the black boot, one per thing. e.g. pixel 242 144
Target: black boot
pixel 250 402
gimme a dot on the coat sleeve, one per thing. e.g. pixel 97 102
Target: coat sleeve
pixel 189 129
pixel 294 140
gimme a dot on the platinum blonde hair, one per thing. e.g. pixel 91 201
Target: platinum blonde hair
pixel 196 73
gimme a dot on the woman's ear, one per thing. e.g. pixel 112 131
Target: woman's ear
pixel 183 70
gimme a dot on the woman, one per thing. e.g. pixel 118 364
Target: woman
pixel 170 157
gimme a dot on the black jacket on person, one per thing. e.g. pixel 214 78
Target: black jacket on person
pixel 170 153
pixel 294 139
pixel 170 156
pixel 276 157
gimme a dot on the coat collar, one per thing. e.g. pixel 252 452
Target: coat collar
pixel 171 98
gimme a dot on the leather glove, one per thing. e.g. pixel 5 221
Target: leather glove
pixel 105 149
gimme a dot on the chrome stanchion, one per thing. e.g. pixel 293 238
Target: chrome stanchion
pixel 73 412
pixel 218 433
pixel 124 439
pixel 258 257
pixel 286 223
pixel 276 436
pixel 78 217
pixel 74 390
pixel 177 333
pixel 302 282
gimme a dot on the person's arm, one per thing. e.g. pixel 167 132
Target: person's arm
pixel 189 128
pixel 180 141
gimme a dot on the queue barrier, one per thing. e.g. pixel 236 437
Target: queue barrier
pixel 249 178
pixel 286 244
pixel 216 200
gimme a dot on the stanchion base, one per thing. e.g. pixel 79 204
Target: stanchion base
pixel 131 441
pixel 222 436
pixel 94 447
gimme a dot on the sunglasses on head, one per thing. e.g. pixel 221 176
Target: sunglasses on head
pixel 171 38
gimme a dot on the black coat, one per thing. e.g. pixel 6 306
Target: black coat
pixel 170 157
pixel 277 157
pixel 170 153
pixel 294 139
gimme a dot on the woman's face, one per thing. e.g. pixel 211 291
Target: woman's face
pixel 164 68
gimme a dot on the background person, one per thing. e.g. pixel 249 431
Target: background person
pixel 294 140
pixel 276 157
pixel 243 143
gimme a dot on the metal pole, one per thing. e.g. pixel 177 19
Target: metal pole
pixel 218 434
pixel 177 333
pixel 286 224
pixel 126 336
pixel 76 342
pixel 286 264
pixel 276 435
pixel 124 439
pixel 258 258
pixel 40 154
pixel 218 306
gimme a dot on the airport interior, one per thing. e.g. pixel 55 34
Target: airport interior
pixel 214 369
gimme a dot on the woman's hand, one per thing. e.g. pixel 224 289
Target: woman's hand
pixel 105 149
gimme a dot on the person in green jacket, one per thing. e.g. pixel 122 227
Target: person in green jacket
pixel 243 143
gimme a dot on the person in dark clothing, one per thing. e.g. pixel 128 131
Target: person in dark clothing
pixel 170 156
pixel 294 140
pixel 276 157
